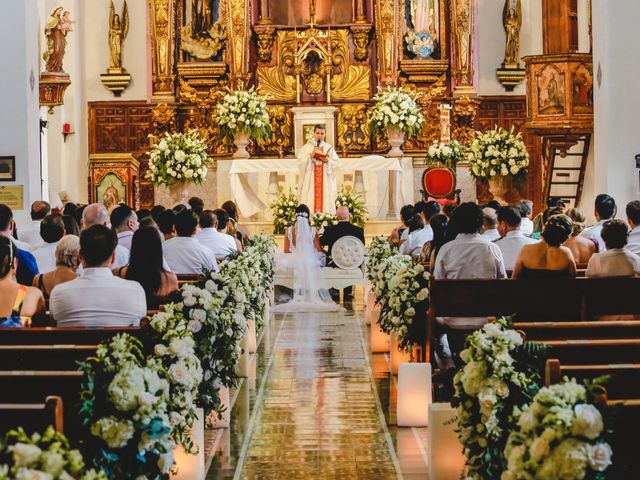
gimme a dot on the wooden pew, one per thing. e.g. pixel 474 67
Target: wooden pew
pixel 33 417
pixel 184 278
pixel 594 329
pixel 69 335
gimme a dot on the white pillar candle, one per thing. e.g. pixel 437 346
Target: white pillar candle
pixel 414 394
pixel 225 418
pixel 379 339
pixel 188 466
pixel 396 356
pixel 251 334
pixel 446 460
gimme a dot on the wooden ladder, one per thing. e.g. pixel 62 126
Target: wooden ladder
pixel 564 159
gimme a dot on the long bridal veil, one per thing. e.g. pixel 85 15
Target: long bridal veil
pixel 309 291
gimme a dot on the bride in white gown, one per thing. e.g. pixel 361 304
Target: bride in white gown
pixel 309 292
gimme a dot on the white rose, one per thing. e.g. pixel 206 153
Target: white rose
pixel 146 398
pixel 211 285
pixel 24 454
pixel 160 350
pixel 52 463
pixel 410 312
pixel 180 156
pixel 189 301
pixel 179 373
pixel 539 449
pixel 502 390
pixel 179 346
pixel 588 421
pixel 199 315
pixel 600 456
pixel 195 326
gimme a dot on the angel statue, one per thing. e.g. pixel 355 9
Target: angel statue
pixel 118 29
pixel 55 31
pixel 512 21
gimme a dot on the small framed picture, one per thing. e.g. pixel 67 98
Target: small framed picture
pixel 7 169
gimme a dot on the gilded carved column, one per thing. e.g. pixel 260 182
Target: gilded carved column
pixel 265 12
pixel 387 13
pixel 360 14
pixel 463 39
pixel 239 29
pixel 162 58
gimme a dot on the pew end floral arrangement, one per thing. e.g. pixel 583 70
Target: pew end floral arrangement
pixel 178 158
pixel 396 108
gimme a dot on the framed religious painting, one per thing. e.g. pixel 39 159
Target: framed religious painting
pixel 7 169
pixel 114 179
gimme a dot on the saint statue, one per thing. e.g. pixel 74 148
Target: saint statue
pixel 317 161
pixel 110 198
pixel 421 15
pixel 55 31
pixel 118 29
pixel 512 21
pixel 201 17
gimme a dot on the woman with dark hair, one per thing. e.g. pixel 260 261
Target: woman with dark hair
pixel 548 258
pixel 616 260
pixel 430 250
pixel 145 266
pixel 235 228
pixel 71 227
pixel 406 213
pixel 415 239
pixel 290 237
pixel 18 303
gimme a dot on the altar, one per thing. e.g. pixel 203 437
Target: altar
pixel 384 183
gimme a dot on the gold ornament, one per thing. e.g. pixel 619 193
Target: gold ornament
pixel 360 35
pixel 281 127
pixel 265 36
pixel 353 128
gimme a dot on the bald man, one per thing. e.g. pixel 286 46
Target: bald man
pixel 96 214
pixel 31 233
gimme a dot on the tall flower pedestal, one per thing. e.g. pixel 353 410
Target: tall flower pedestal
pixel 241 141
pixel 225 418
pixel 188 466
pixel 397 356
pixel 179 193
pixel 505 189
pixel 396 139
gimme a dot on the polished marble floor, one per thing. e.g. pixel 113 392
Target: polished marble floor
pixel 319 406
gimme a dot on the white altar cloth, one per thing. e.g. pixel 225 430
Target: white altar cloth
pixel 248 192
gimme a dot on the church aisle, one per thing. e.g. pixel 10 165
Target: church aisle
pixel 318 415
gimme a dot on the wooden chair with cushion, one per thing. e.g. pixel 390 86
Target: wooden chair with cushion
pixel 439 183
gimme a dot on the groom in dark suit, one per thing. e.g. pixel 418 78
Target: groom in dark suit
pixel 331 235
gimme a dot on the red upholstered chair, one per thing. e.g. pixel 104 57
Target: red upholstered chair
pixel 439 183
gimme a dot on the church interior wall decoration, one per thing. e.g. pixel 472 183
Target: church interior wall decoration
pixel 54 80
pixel 117 78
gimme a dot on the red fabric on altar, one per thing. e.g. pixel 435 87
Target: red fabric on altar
pixel 318 186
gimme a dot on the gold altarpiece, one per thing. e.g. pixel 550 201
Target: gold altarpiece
pixel 311 53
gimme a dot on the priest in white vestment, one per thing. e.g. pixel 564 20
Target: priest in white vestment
pixel 318 161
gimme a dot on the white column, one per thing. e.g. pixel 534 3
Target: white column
pixel 19 119
pixel 616 100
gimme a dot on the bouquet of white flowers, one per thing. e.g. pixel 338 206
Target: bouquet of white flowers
pixel 125 404
pixel 448 154
pixel 499 374
pixel 395 107
pixel 244 111
pixel 378 252
pixel 42 457
pixel 284 210
pixel 178 158
pixel 347 198
pixel 321 220
pixel 498 152
pixel 261 252
pixel 559 436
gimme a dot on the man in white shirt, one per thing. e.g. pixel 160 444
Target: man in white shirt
pixel 96 214
pixel 605 209
pixel 98 298
pixel 51 231
pixel 185 254
pixel 221 244
pixel 125 222
pixel 616 261
pixel 490 224
pixel 633 216
pixel 526 211
pixel 31 233
pixel 512 241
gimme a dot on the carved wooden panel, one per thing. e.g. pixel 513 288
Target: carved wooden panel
pixel 507 112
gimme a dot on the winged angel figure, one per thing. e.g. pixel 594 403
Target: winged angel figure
pixel 118 29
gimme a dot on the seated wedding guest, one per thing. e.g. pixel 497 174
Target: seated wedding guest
pixel 167 224
pixel 548 258
pixel 196 204
pixel 426 211
pixel 605 209
pixel 27 266
pixel 220 244
pixel 96 214
pixel 633 216
pixel 616 261
pixel 125 222
pixel 155 212
pixel 71 226
pixel 224 224
pixel 18 303
pixel 512 241
pixel 494 204
pixel 178 209
pixel 31 234
pixel 449 208
pixel 526 210
pixel 582 248
pixel 69 209
pixel 406 212
pixel 143 213
pixel 541 219
pixel 468 256
pixel 417 236
pixel 146 266
pixel 430 249
pixel 149 222
pixel 232 210
pixel 97 298
pixel 67 263
pixel 51 231
pixel 184 254
pixel 490 224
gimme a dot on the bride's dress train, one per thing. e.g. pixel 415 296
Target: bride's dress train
pixel 309 291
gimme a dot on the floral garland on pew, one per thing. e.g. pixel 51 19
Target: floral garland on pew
pixel 42 457
pixel 262 249
pixel 500 375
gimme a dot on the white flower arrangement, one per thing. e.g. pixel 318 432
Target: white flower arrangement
pixel 498 376
pixel 358 212
pixel 558 436
pixel 244 111
pixel 448 154
pixel 178 158
pixel 378 252
pixel 397 108
pixel 499 153
pixel 284 210
pixel 42 457
pixel 321 220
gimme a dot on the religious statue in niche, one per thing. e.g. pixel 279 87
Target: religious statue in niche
pixel 512 21
pixel 582 90
pixel 58 25
pixel 118 29
pixel 550 91
pixel 203 37
pixel 422 37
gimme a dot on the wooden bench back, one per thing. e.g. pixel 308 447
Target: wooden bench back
pixel 542 331
pixel 33 417
pixel 68 335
